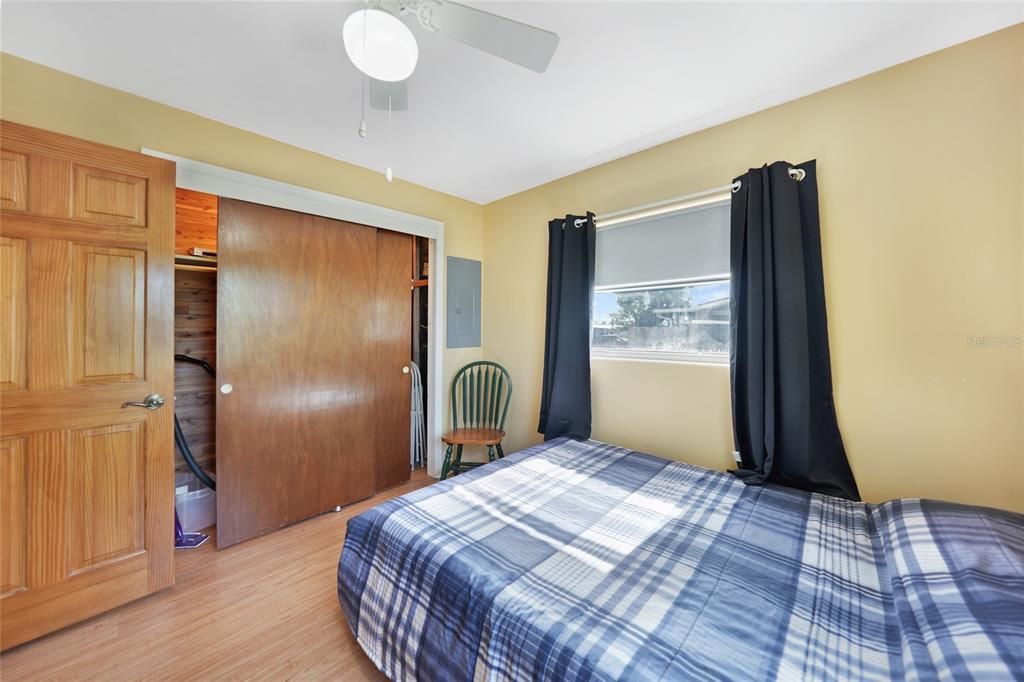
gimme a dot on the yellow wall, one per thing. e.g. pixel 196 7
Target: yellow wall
pixel 920 176
pixel 52 100
pixel 921 186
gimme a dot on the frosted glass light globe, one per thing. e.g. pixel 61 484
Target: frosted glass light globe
pixel 380 45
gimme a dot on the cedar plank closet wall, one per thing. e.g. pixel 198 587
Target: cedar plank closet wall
pixel 195 327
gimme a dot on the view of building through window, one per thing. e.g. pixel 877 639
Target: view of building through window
pixel 688 318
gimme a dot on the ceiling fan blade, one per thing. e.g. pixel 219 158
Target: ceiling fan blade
pixel 380 90
pixel 517 42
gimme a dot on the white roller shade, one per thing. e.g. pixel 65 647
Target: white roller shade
pixel 693 243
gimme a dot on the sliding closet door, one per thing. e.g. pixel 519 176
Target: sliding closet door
pixel 394 352
pixel 299 367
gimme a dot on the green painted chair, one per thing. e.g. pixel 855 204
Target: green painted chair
pixel 481 393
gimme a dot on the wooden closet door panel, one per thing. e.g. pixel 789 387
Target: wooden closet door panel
pixel 108 304
pixel 14 302
pixel 13 515
pixel 13 180
pixel 394 350
pixel 87 517
pixel 296 336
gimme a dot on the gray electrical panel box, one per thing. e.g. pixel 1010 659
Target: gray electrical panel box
pixel 463 314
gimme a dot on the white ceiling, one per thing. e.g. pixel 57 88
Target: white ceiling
pixel 626 76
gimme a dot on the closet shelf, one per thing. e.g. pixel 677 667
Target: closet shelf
pixel 195 263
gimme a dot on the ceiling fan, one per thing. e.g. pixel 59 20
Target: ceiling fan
pixel 382 46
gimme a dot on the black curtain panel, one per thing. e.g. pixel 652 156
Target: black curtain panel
pixel 565 396
pixel 784 417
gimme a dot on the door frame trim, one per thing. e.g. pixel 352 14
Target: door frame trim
pixel 232 184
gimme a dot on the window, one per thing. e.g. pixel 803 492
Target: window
pixel 662 287
pixel 690 319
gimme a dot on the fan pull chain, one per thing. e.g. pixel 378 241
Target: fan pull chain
pixel 387 172
pixel 362 120
pixel 363 87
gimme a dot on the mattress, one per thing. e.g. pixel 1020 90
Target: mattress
pixel 579 560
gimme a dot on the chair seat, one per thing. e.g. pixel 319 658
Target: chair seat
pixel 473 437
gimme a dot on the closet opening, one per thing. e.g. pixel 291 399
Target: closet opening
pixel 420 354
pixel 388 312
pixel 195 336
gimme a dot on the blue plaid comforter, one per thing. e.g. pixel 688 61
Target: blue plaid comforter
pixel 580 560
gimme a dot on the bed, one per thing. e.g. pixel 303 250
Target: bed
pixel 580 560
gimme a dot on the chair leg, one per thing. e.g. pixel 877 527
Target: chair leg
pixel 457 467
pixel 490 453
pixel 446 467
pixel 501 453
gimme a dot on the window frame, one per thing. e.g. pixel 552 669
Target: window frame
pixel 659 355
pixel 640 214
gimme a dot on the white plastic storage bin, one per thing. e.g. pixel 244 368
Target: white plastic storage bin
pixel 196 504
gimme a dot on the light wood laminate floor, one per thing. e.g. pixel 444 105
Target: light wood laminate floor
pixel 264 609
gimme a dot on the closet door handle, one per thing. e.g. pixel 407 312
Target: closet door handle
pixel 405 370
pixel 154 401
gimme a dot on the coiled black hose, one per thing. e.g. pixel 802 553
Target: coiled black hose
pixel 179 436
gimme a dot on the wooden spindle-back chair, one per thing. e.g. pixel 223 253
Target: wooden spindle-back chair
pixel 481 393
